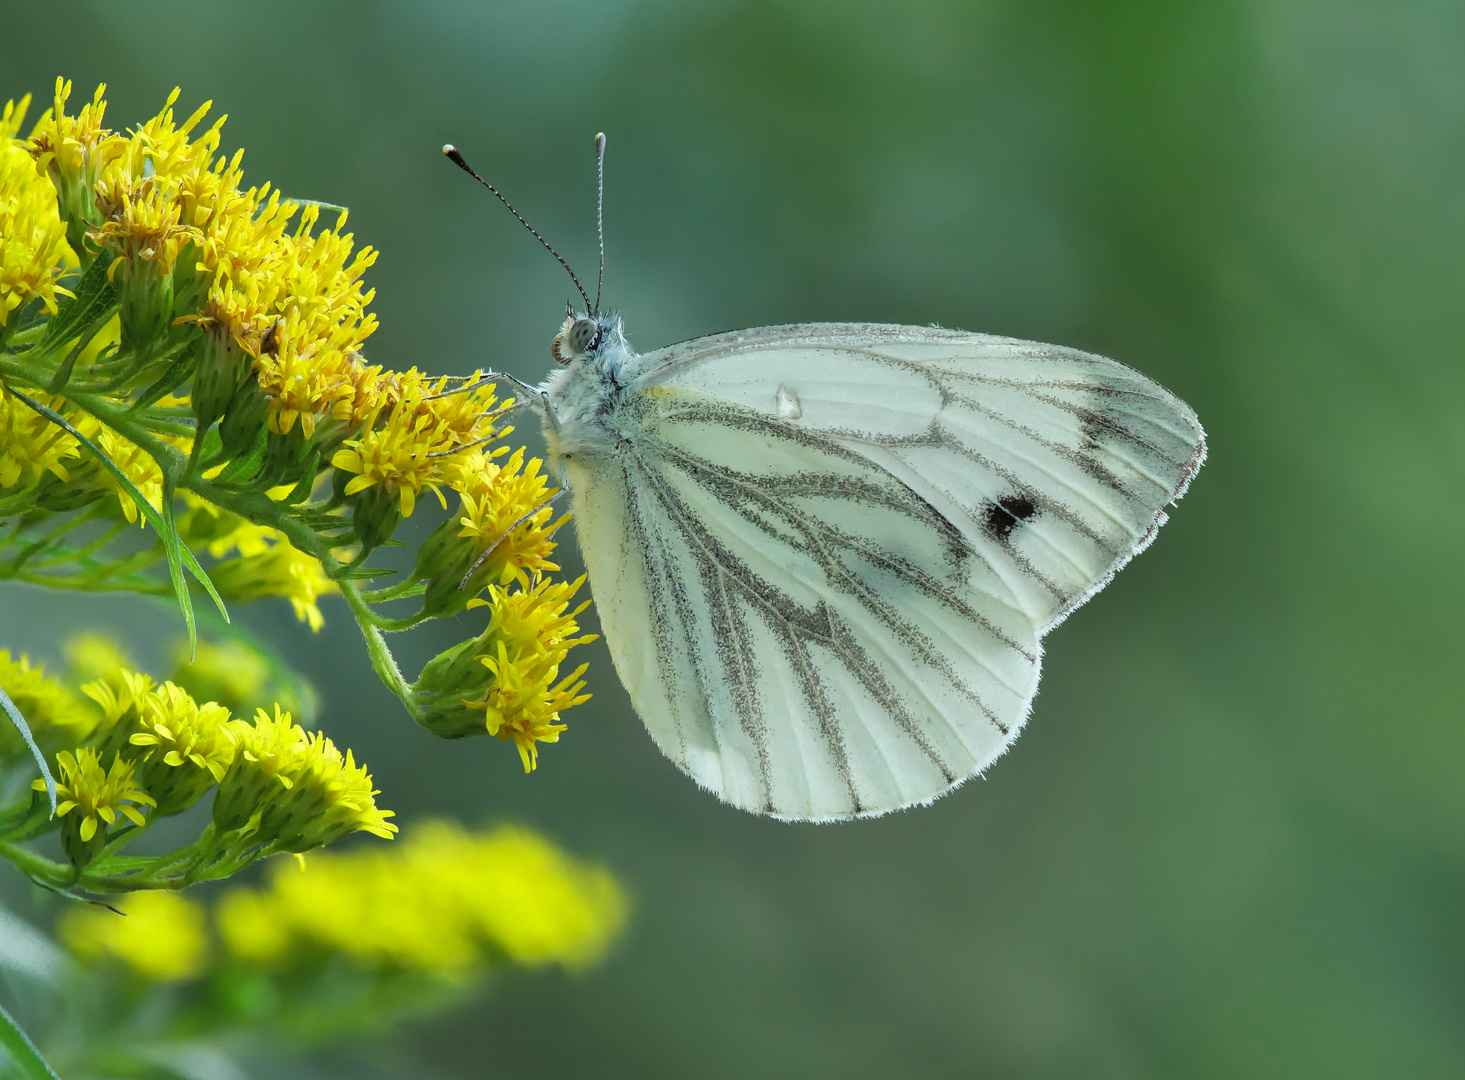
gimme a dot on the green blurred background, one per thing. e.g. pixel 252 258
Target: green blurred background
pixel 1230 843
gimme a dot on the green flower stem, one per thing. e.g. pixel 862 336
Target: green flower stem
pixel 25 554
pixel 392 626
pixel 400 591
pixel 96 545
pixel 382 660
pixel 38 866
pixel 15 1040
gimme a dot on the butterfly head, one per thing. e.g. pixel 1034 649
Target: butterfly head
pixel 583 335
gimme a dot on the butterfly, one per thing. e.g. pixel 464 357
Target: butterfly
pixel 825 555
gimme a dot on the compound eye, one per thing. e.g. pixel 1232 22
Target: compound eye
pixel 583 335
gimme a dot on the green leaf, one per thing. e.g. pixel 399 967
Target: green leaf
pixel 179 556
pixel 30 741
pixel 94 298
pixel 178 373
pixel 242 468
pixel 172 546
pixel 301 491
pixel 116 865
pixel 14 1039
pixel 366 573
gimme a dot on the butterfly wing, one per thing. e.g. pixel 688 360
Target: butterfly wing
pixel 824 555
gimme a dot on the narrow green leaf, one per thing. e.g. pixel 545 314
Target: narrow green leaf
pixel 301 491
pixel 191 562
pixel 172 546
pixel 366 573
pixel 30 741
pixel 117 865
pixel 243 468
pixel 178 373
pixel 94 295
pixel 212 444
pixel 14 1039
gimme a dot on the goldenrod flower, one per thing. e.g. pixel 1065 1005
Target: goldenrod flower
pixel 423 426
pixel 30 445
pixel 530 633
pixel 73 151
pixel 189 746
pixel 269 566
pixel 332 796
pixel 122 695
pixel 34 252
pixel 136 464
pixel 296 790
pixel 54 714
pixel 506 508
pixel 522 705
pixel 254 928
pixel 94 795
pixel 160 935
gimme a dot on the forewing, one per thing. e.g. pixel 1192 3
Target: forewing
pixel 840 545
pixel 1054 464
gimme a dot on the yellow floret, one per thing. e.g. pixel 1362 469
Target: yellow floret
pixel 34 253
pixel 96 795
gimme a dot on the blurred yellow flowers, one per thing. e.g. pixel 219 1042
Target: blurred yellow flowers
pixel 447 902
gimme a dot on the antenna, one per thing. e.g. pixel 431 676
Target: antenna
pixel 451 152
pixel 600 211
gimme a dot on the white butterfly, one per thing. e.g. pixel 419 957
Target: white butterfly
pixel 825 555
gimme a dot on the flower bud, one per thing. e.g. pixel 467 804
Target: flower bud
pixel 222 368
pixel 375 514
pixel 446 684
pixel 190 283
pixel 185 748
pixel 443 561
pixel 244 418
pixel 145 299
pixel 91 800
pixel 286 456
pixel 86 482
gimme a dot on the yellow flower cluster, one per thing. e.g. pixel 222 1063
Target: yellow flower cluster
pixel 149 745
pixel 528 637
pixel 266 565
pixel 30 445
pixel 296 788
pixel 447 901
pixel 249 310
pixel 55 715
pixel 506 512
pixel 422 426
pixel 97 794
pixel 35 253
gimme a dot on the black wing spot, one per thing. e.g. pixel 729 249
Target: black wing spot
pixel 1006 514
